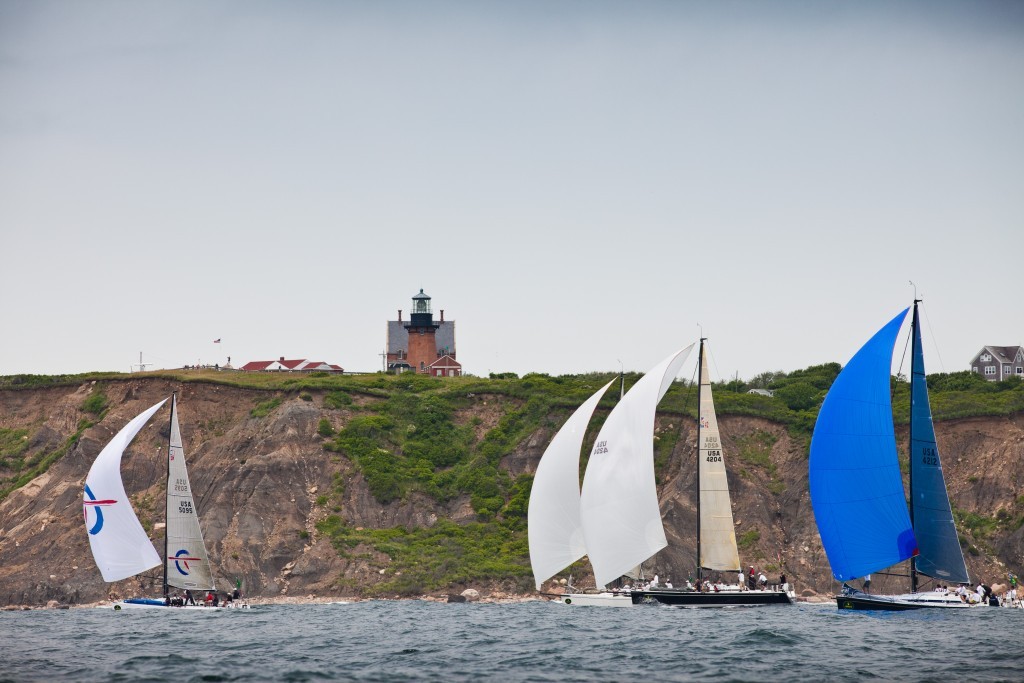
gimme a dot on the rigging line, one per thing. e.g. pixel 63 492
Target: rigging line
pixel 931 334
pixel 714 362
pixel 210 484
pixel 903 358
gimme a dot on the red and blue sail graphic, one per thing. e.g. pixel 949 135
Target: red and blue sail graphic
pixel 97 506
pixel 181 560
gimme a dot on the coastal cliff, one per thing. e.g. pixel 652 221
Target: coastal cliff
pixel 402 486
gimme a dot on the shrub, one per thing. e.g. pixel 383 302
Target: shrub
pixel 748 539
pixel 265 408
pixel 799 395
pixel 337 399
pixel 96 403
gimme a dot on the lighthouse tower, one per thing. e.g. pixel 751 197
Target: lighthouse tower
pixel 422 331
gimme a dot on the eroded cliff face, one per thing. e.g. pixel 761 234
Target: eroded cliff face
pixel 263 483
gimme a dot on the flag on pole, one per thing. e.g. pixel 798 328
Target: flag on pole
pixel 216 341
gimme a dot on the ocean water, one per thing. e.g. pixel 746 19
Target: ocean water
pixel 534 641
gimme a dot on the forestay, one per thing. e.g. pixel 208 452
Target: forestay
pixel 553 518
pixel 188 565
pixel 619 508
pixel 119 544
pixel 717 532
pixel 941 556
pixel 854 476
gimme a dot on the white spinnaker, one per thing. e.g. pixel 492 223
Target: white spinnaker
pixel 188 565
pixel 619 503
pixel 119 544
pixel 717 531
pixel 553 519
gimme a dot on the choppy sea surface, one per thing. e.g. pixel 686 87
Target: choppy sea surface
pixel 533 641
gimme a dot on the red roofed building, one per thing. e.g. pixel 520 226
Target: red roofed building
pixel 256 365
pixel 445 366
pixel 297 365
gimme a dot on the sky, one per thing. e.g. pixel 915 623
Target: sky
pixel 581 186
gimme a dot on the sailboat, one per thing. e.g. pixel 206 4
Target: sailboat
pixel 621 516
pixel 118 541
pixel 554 527
pixel 553 523
pixel 857 489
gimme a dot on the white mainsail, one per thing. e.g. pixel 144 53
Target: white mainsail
pixel 119 544
pixel 717 532
pixel 553 518
pixel 622 524
pixel 188 565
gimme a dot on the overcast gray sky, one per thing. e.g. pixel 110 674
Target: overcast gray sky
pixel 577 184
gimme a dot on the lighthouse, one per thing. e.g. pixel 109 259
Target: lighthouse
pixel 422 334
pixel 421 344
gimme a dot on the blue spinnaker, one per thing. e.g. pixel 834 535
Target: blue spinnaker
pixel 856 489
pixel 940 556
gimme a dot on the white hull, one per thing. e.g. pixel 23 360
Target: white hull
pixel 854 599
pixel 597 599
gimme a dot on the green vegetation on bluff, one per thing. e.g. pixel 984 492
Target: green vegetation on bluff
pixel 19 465
pixel 446 439
pixel 446 554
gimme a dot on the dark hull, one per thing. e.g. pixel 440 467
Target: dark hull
pixel 868 604
pixel 682 598
pixel 863 601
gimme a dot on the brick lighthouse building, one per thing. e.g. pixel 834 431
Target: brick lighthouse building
pixel 421 344
pixel 422 332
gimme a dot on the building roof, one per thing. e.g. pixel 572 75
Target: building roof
pixel 300 364
pixel 311 365
pixel 1003 354
pixel 398 336
pixel 445 361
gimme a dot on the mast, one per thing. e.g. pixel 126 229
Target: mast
pixel 700 367
pixel 170 423
pixel 915 340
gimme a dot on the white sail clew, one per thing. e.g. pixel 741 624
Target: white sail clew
pixel 188 565
pixel 717 532
pixel 118 541
pixel 619 504
pixel 553 519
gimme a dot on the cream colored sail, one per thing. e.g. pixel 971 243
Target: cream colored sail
pixel 553 519
pixel 619 503
pixel 188 565
pixel 717 531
